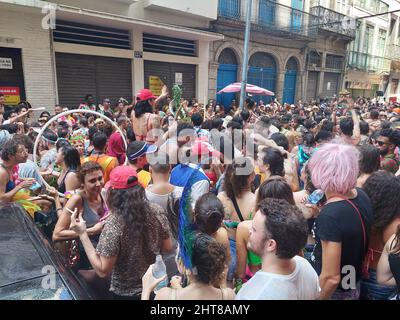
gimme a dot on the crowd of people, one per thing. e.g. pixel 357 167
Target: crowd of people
pixel 271 201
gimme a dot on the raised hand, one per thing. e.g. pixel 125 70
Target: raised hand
pixel 77 223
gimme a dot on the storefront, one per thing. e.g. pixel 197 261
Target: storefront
pixel 330 84
pixel 157 74
pixel 362 84
pixel 11 75
pixel 103 77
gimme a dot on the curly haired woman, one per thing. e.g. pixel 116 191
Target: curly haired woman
pixel 381 188
pixel 133 235
pixel 209 263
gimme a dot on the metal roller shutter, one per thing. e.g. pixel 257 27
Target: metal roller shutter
pixel 331 84
pixel 78 75
pixel 114 79
pixel 312 84
pixel 166 72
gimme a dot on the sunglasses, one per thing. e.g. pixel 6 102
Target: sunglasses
pixel 380 143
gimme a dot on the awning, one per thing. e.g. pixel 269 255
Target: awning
pixel 362 80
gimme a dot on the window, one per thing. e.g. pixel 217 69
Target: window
pixel 341 6
pixel 297 16
pixel 315 58
pixel 369 35
pixel 229 9
pixel 395 84
pixel 334 62
pixel 355 45
pixel 398 35
pixel 381 42
pixel 383 7
pixel 267 10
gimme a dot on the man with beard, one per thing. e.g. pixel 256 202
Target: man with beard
pixel 277 235
pixel 387 142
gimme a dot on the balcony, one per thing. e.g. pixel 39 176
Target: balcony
pixel 272 18
pixel 393 52
pixel 229 9
pixel 368 62
pixel 373 6
pixel 334 22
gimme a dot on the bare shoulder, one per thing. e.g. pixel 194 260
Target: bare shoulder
pixel 223 197
pixel 229 294
pixel 75 201
pixel 164 294
pixel 222 235
pixel 71 175
pixel 242 231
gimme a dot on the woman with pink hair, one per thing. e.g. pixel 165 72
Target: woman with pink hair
pixel 342 228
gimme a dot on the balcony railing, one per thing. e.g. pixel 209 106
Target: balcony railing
pixel 374 6
pixel 229 9
pixel 368 62
pixel 314 60
pixel 275 18
pixel 333 21
pixel 393 52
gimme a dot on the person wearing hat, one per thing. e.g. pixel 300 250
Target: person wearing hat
pixel 143 118
pixel 136 154
pixel 134 233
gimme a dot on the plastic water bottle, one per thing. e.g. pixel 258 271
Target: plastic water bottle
pixel 159 271
pixel 315 197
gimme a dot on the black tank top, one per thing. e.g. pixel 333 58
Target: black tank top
pixel 394 263
pixel 61 187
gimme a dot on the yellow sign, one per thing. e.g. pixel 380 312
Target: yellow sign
pixel 155 85
pixel 11 95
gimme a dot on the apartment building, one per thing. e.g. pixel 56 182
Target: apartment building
pixel 391 86
pixel 368 62
pixel 108 48
pixel 293 50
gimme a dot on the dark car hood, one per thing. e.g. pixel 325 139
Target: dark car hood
pixel 19 259
pixel 26 256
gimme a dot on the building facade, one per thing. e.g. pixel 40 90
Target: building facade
pixel 110 49
pixel 391 83
pixel 367 61
pixel 294 52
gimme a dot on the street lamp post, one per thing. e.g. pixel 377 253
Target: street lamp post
pixel 245 55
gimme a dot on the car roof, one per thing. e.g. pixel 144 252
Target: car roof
pixel 20 258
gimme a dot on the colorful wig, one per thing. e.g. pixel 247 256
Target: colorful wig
pixel 334 167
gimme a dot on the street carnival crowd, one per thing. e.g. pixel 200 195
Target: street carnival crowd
pixel 272 201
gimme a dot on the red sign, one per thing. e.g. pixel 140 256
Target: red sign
pixel 393 99
pixel 11 94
